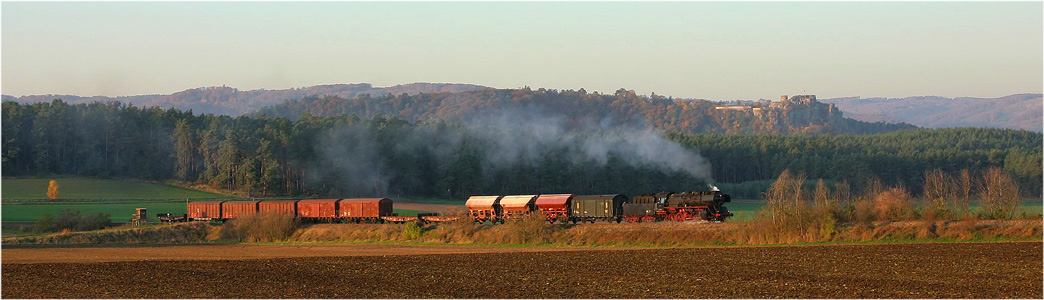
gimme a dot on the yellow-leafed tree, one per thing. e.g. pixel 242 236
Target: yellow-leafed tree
pixel 52 190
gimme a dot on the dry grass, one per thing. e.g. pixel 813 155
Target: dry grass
pixel 599 234
pixel 675 234
pixel 265 227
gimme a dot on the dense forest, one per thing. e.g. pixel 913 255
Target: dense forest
pixel 622 107
pixel 517 153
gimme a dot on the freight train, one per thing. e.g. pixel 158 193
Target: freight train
pixel 666 206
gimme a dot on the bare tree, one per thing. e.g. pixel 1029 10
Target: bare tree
pixel 962 202
pixel 939 189
pixel 1000 194
pixel 785 197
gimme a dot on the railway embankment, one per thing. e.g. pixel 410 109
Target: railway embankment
pixel 537 232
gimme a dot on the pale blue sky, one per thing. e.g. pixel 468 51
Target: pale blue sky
pixel 711 50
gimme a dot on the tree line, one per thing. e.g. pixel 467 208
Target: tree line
pixel 622 107
pixel 349 156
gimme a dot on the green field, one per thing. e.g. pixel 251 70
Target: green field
pixel 98 189
pixel 118 212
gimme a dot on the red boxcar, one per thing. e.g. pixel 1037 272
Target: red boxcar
pixel 368 208
pixel 317 208
pixel 288 207
pixel 204 210
pixel 236 209
pixel 554 207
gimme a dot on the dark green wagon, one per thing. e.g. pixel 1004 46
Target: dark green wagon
pixel 591 208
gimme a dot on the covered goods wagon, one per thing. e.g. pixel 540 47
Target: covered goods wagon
pixel 238 209
pixel 288 207
pixel 590 208
pixel 317 209
pixel 204 210
pixel 364 208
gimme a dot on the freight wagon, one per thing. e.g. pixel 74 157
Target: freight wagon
pixel 370 210
pixel 485 208
pixel 554 207
pixel 517 206
pixel 591 208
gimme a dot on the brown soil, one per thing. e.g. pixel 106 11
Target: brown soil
pixel 936 270
pixel 80 254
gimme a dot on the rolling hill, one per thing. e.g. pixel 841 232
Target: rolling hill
pixel 223 100
pixel 1020 111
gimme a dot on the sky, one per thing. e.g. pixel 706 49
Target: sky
pixel 708 50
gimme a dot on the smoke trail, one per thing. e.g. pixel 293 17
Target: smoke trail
pixel 522 135
pixel 508 137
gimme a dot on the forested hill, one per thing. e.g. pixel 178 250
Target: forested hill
pixel 1021 111
pixel 223 100
pixel 801 114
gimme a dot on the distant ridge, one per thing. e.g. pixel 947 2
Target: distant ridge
pixel 225 100
pixel 1019 111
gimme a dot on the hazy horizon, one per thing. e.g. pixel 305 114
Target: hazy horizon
pixel 709 50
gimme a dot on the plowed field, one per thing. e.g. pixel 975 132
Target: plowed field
pixel 939 270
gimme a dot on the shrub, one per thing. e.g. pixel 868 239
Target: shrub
pixel 413 230
pixel 893 205
pixel 69 220
pixel 45 224
pixel 265 227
